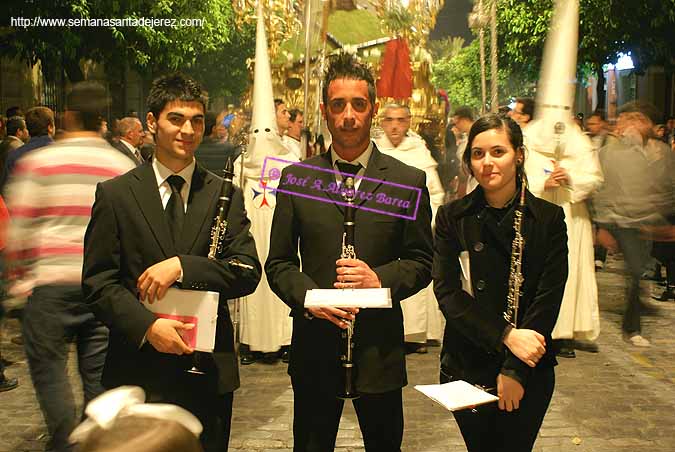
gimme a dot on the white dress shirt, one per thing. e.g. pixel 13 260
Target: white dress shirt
pixel 162 173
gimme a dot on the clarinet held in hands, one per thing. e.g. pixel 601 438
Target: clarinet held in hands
pixel 347 387
pixel 219 227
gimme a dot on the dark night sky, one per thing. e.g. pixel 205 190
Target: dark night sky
pixel 452 20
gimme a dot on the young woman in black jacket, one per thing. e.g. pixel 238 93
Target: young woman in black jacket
pixel 488 341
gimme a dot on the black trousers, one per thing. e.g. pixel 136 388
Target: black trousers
pixel 194 393
pixel 317 413
pixel 489 429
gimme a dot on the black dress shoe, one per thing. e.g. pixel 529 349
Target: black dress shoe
pixel 667 295
pixel 566 352
pixel 6 362
pixel 270 358
pixel 564 348
pixel 7 384
pixel 247 358
pixel 286 356
pixel 586 346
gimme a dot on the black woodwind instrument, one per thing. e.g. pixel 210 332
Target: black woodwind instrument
pixel 347 384
pixel 516 278
pixel 218 232
pixel 219 227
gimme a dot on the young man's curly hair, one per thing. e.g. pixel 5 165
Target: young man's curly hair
pixel 345 65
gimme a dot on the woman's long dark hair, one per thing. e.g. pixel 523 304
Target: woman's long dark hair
pixel 493 121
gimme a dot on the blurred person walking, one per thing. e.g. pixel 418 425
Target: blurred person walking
pixel 629 200
pixel 49 198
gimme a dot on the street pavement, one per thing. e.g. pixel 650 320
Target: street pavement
pixel 620 399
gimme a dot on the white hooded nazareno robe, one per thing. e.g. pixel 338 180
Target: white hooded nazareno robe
pixel 579 317
pixel 422 319
pixel 265 322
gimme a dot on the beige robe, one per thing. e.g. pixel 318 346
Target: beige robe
pixel 265 322
pixel 579 317
pixel 422 319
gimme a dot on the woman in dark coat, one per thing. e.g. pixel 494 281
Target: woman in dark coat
pixel 474 237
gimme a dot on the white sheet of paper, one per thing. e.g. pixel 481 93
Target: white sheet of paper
pixel 465 264
pixel 348 298
pixel 191 306
pixel 457 395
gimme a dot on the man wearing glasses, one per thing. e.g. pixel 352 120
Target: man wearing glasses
pixel 391 252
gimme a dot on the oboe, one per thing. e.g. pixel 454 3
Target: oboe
pixel 515 274
pixel 347 386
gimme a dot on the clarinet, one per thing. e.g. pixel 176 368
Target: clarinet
pixel 347 385
pixel 218 232
pixel 516 278
pixel 219 227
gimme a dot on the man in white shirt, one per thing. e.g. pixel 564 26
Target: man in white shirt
pixel 292 138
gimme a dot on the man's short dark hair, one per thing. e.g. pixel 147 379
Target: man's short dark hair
pixel 172 87
pixel 38 120
pixel 294 113
pixel 278 102
pixel 89 101
pixel 345 65
pixel 14 124
pixel 464 112
pixel 528 105
pixel 14 111
pixel 638 106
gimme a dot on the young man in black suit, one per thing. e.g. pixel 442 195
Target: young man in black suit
pixel 150 229
pixel 392 252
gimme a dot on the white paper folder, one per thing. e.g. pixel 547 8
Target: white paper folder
pixel 457 395
pixel 190 306
pixel 348 298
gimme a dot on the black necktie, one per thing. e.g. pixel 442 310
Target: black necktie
pixel 174 211
pixel 349 168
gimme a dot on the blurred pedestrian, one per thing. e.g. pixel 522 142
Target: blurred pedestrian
pixel 49 198
pixel 629 200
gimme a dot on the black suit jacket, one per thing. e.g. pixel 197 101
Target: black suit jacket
pixel 125 150
pixel 128 233
pixel 472 343
pixel 398 250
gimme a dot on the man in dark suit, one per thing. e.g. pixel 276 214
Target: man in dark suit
pixel 131 139
pixel 150 229
pixel 392 252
